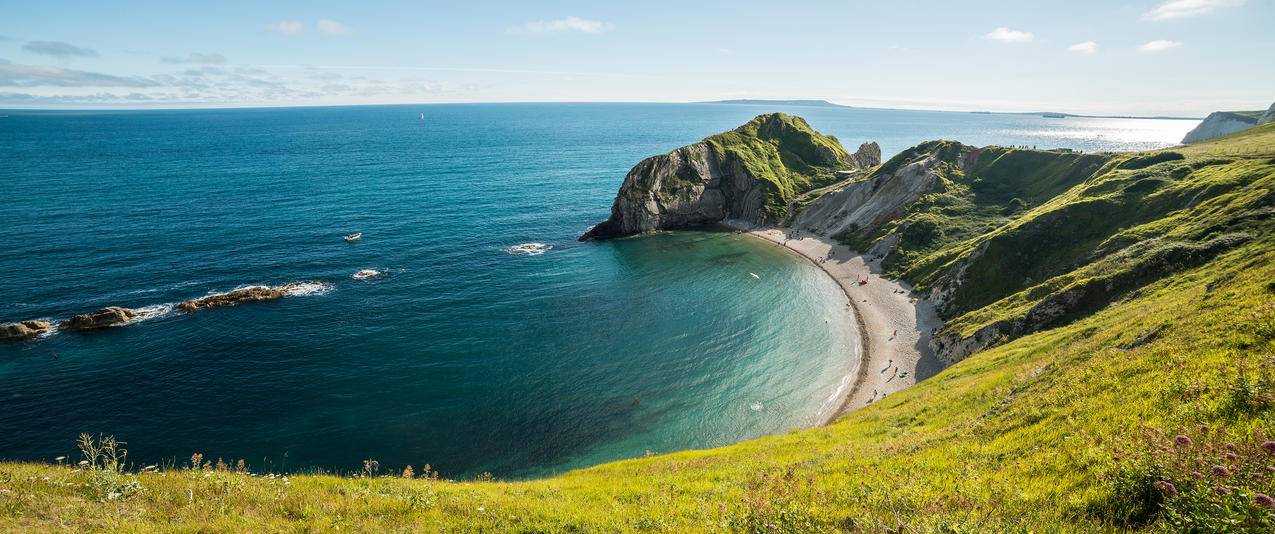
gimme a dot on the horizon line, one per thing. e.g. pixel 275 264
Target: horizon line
pixel 722 102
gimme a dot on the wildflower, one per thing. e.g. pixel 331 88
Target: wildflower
pixel 1222 490
pixel 1197 474
pixel 1269 446
pixel 1264 500
pixel 1230 457
pixel 1183 441
pixel 1220 471
pixel 1229 446
pixel 1167 487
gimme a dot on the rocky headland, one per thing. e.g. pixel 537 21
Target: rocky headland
pixel 749 174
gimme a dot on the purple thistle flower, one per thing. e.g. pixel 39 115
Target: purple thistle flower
pixel 1264 500
pixel 1269 446
pixel 1183 441
pixel 1230 457
pixel 1223 490
pixel 1197 474
pixel 1167 487
pixel 1220 471
pixel 1229 446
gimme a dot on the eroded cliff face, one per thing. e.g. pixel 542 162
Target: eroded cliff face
pixel 1218 124
pixel 749 174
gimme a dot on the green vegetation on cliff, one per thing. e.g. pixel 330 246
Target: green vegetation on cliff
pixel 786 153
pixel 1148 409
pixel 1045 237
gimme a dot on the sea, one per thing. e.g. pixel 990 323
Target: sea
pixel 488 340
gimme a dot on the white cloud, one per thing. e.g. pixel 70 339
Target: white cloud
pixel 1006 35
pixel 569 24
pixel 196 58
pixel 1087 47
pixel 332 27
pixel 58 49
pixel 1159 45
pixel 287 27
pixel 1180 9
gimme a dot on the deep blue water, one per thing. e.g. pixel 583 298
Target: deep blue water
pixel 461 354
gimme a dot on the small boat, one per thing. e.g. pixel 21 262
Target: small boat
pixel 354 236
pixel 754 275
pixel 422 116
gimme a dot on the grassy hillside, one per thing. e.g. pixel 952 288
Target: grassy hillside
pixel 1149 410
pixel 786 153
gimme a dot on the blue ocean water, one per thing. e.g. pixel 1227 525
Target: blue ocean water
pixel 461 354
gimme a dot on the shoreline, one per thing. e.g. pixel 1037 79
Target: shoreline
pixel 894 325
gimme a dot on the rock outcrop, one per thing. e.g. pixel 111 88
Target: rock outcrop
pixel 22 330
pixel 1220 123
pixel 108 316
pixel 866 204
pixel 748 174
pixel 238 296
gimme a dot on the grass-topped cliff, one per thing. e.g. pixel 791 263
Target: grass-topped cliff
pixel 1011 241
pixel 786 153
pixel 750 174
pixel 1150 407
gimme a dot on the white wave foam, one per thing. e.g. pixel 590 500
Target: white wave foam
pixel 366 274
pixel 528 249
pixel 154 311
pixel 307 288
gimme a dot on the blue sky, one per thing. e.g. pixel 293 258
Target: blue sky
pixel 1176 57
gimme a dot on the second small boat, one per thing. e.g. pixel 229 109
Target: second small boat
pixel 354 237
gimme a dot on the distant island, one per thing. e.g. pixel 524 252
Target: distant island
pixel 814 103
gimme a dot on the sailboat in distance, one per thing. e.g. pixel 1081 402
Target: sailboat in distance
pixel 422 116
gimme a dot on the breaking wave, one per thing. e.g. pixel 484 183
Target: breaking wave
pixel 528 249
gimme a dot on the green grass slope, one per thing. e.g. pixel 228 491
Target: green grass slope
pixel 784 152
pixel 1151 411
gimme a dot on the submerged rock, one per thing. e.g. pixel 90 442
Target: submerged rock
pixel 23 330
pixel 108 316
pixel 749 174
pixel 238 296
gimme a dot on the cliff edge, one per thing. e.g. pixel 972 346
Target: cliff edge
pixel 749 174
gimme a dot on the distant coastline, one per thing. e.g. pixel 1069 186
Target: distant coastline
pixel 827 104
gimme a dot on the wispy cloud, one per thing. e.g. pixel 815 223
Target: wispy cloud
pixel 331 27
pixel 1087 47
pixel 569 24
pixel 1006 35
pixel 287 27
pixel 13 75
pixel 1159 45
pixel 196 58
pixel 58 49
pixel 1181 9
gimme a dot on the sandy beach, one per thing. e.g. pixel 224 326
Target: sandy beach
pixel 894 325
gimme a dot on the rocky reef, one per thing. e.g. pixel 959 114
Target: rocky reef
pixel 238 296
pixel 23 330
pixel 749 174
pixel 108 316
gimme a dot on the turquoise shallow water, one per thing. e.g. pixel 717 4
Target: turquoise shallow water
pixel 461 355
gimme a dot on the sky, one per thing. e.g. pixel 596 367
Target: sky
pixel 1154 57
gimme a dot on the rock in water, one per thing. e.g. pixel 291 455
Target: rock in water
pixel 231 298
pixel 108 316
pixel 23 330
pixel 749 174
